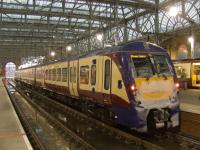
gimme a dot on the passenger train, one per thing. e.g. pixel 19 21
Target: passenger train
pixel 134 84
pixel 188 70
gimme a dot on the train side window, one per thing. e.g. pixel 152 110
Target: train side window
pixel 59 74
pixel 64 74
pixel 74 75
pixel 107 75
pixel 84 74
pixel 50 74
pixel 54 74
pixel 46 74
pixel 93 75
pixel 71 74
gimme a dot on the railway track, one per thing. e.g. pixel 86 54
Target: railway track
pixel 28 120
pixel 99 134
pixel 190 124
pixel 24 117
pixel 88 128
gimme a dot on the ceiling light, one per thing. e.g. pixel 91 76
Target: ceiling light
pixel 69 48
pixel 191 39
pixel 53 54
pixel 99 36
pixel 173 11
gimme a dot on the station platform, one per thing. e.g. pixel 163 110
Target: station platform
pixel 12 135
pixel 190 100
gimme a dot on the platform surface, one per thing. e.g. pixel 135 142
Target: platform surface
pixel 190 100
pixel 12 135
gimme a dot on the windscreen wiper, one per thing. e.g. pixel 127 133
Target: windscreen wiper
pixel 147 78
pixel 163 75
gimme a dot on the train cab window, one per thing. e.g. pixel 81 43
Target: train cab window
pixel 64 74
pixel 142 65
pixel 50 74
pixel 93 75
pixel 84 74
pixel 59 74
pixel 107 75
pixel 54 74
pixel 162 65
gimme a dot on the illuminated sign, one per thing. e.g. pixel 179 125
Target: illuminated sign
pixel 138 56
pixel 196 63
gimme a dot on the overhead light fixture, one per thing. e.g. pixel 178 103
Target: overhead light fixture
pixel 108 45
pixel 35 60
pixel 99 36
pixel 53 53
pixel 191 39
pixel 173 11
pixel 69 48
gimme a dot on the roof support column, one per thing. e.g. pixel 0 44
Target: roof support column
pixel 157 24
pixel 90 24
pixel 125 38
pixel 1 10
pixel 116 34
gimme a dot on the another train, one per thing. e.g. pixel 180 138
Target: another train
pixel 188 70
pixel 134 84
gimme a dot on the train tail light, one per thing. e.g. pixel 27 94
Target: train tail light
pixel 177 85
pixel 133 89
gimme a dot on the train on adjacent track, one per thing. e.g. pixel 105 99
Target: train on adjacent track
pixel 134 85
pixel 188 70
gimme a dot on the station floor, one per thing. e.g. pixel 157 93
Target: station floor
pixel 190 100
pixel 12 135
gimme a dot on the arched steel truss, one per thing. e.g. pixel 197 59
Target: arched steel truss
pixel 39 26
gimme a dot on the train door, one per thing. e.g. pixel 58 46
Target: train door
pixel 73 73
pixel 106 74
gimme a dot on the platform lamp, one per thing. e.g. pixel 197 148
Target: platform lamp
pixel 191 40
pixel 52 54
pixel 68 50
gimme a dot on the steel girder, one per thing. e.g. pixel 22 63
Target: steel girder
pixel 50 24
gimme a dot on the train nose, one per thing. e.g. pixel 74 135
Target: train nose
pixel 158 118
pixel 161 115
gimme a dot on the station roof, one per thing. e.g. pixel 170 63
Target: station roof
pixel 35 27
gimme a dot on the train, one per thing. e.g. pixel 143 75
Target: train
pixel 133 85
pixel 188 71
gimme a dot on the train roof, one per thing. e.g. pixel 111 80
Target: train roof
pixel 187 60
pixel 132 46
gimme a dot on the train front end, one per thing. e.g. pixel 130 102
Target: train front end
pixel 152 89
pixel 155 94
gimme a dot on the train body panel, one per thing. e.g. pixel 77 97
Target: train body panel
pixel 136 82
pixel 150 95
pixel 61 83
pixel 73 80
pixel 119 90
